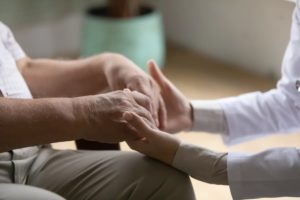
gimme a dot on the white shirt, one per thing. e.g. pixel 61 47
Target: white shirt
pixel 272 173
pixel 12 85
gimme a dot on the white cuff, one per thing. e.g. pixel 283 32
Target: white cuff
pixel 209 117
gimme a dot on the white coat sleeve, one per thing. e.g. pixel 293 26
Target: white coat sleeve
pixel 276 111
pixel 257 114
pixel 248 116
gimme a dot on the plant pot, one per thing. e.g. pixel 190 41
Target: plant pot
pixel 139 38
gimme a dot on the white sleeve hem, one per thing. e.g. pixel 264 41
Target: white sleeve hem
pixel 208 117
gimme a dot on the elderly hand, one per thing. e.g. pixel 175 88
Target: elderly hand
pixel 179 110
pixel 122 73
pixel 100 117
pixel 155 143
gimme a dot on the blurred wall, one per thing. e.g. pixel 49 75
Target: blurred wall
pixel 252 34
pixel 46 28
pixel 57 38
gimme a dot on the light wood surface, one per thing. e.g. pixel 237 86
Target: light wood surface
pixel 202 78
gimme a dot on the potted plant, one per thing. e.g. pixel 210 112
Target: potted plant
pixel 127 27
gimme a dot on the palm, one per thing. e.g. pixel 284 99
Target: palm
pixel 177 106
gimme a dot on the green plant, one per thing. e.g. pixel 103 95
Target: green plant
pixel 123 8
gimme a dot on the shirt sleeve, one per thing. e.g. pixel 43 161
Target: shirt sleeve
pixel 10 43
pixel 202 164
pixel 272 173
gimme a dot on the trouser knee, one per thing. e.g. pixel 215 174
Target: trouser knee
pixel 159 181
pixel 174 185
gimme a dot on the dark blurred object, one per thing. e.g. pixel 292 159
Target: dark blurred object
pixel 298 85
pixel 123 8
pixel 90 145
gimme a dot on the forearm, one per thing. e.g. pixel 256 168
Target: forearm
pixel 66 78
pixel 202 164
pixel 34 122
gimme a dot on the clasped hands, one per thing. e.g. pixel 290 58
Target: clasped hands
pixel 142 114
pixel 155 141
pixel 171 113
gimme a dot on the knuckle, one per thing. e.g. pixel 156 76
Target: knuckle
pixel 148 115
pixel 148 102
pixel 124 103
pixel 135 93
pixel 123 94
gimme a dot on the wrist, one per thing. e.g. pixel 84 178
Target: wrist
pixel 173 148
pixel 81 111
pixel 189 117
pixel 63 119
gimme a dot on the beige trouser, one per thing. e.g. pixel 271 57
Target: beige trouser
pixel 57 174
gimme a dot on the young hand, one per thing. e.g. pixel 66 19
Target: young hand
pixel 155 143
pixel 179 111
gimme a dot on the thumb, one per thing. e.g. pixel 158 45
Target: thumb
pixel 156 74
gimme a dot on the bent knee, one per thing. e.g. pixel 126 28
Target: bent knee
pixel 173 184
pixel 155 180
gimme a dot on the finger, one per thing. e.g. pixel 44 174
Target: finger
pixel 155 101
pixel 139 124
pixel 162 113
pixel 142 105
pixel 126 90
pixel 148 91
pixel 156 74
pixel 127 132
pixel 128 128
pixel 146 115
pixel 143 100
pixel 135 133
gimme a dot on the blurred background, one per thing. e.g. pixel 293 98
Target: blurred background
pixel 209 48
